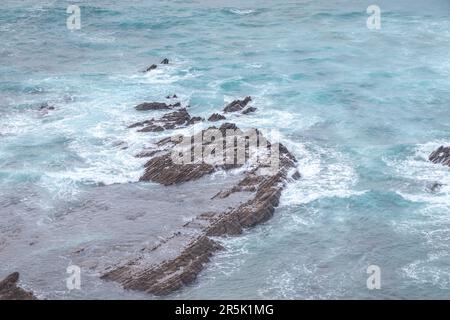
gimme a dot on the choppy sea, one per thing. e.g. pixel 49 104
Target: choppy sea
pixel 361 110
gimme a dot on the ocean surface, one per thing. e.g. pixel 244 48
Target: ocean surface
pixel 361 110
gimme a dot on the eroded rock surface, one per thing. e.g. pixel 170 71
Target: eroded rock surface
pixel 216 117
pixel 237 105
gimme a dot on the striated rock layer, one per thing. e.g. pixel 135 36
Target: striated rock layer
pixel 178 259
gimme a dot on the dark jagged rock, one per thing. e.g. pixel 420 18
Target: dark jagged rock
pixel 259 190
pixel 237 105
pixel 146 106
pixel 152 67
pixel 441 155
pixel 249 110
pixel 9 290
pixel 216 117
pixel 152 128
pixel 172 97
pixel 194 120
pixel 178 117
pixel 170 120
pixel 165 61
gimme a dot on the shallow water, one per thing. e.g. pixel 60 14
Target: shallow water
pixel 360 109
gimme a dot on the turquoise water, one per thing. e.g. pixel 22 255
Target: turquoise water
pixel 360 109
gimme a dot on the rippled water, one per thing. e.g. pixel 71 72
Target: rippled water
pixel 360 109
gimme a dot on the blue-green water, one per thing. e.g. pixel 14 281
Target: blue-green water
pixel 361 109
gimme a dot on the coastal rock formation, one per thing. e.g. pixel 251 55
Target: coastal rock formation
pixel 165 61
pixel 249 110
pixel 195 120
pixel 9 290
pixel 178 259
pixel 216 117
pixel 441 155
pixel 237 105
pixel 170 120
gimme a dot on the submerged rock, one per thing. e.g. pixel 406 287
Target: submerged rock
pixel 237 105
pixel 435 187
pixel 152 67
pixel 165 61
pixel 46 106
pixel 441 155
pixel 9 290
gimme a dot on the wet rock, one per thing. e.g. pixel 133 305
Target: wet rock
pixel 152 67
pixel 172 97
pixel 249 110
pixel 194 120
pixel 152 128
pixel 435 187
pixel 9 290
pixel 441 155
pixel 46 106
pixel 170 120
pixel 258 189
pixel 237 105
pixel 165 61
pixel 216 117
pixel 163 170
pixel 146 106
pixel 178 117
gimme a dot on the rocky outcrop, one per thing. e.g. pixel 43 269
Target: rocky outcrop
pixel 216 117
pixel 195 120
pixel 191 246
pixel 237 105
pixel 441 155
pixel 9 290
pixel 152 67
pixel 249 110
pixel 168 121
